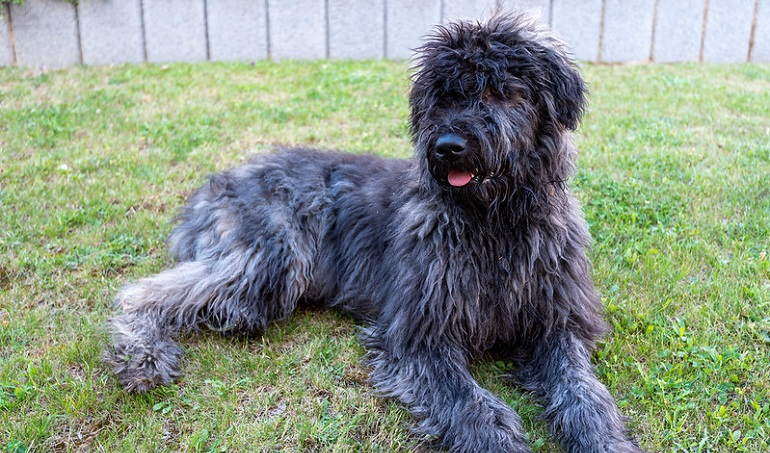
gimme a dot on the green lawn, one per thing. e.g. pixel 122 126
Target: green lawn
pixel 674 174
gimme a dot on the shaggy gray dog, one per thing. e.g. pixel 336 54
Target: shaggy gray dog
pixel 474 245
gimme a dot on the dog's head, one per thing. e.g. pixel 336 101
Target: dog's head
pixel 491 103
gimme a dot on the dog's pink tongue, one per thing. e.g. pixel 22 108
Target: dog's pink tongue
pixel 459 178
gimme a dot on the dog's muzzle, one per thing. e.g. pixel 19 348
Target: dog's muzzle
pixel 451 146
pixel 452 153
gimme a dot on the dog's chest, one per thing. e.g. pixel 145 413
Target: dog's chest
pixel 493 288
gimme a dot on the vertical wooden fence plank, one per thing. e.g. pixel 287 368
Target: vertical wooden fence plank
pixel 175 30
pixel 297 29
pixel 237 30
pixel 728 30
pixel 627 30
pixel 356 29
pixel 6 49
pixel 111 31
pixel 45 33
pixel 678 30
pixel 408 23
pixel 761 50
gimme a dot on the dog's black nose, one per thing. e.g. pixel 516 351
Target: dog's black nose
pixel 450 145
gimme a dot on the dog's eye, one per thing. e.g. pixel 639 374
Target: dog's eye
pixel 491 94
pixel 509 94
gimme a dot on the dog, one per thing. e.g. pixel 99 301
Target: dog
pixel 474 245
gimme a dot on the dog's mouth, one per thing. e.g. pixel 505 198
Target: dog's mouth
pixel 460 178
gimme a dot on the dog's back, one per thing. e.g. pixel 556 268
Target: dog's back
pixel 329 210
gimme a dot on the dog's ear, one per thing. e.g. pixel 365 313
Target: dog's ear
pixel 564 93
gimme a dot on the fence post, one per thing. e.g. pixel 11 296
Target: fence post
pixel 6 48
pixel 760 51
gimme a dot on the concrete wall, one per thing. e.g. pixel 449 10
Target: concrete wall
pixel 627 34
pixel 56 33
pixel 44 33
pixel 679 30
pixel 111 31
pixel 579 22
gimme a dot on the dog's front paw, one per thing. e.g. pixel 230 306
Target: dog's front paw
pixel 624 446
pixel 495 430
pixel 488 439
pixel 510 443
pixel 604 446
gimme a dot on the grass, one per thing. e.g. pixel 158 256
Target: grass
pixel 674 175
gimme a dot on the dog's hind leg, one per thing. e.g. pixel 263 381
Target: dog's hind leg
pixel 241 291
pixel 143 353
pixel 579 407
pixel 244 260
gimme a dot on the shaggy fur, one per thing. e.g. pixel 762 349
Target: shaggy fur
pixel 474 245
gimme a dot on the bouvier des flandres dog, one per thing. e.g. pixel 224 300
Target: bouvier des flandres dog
pixel 473 245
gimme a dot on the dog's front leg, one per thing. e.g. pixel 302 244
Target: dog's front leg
pixel 438 389
pixel 580 409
